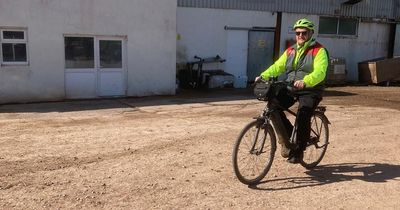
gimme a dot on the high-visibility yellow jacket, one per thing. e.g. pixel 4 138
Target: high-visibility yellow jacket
pixel 308 63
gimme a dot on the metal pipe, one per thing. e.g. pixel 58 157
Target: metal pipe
pixel 277 38
pixel 392 37
pixel 250 28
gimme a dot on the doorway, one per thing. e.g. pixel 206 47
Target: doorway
pixel 94 66
pixel 260 52
pixel 249 51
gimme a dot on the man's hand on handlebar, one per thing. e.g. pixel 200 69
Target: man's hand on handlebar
pixel 299 84
pixel 258 79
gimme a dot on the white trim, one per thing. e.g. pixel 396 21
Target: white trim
pixel 88 70
pixel 14 41
pixel 22 63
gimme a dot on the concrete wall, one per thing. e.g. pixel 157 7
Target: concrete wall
pixel 149 25
pixel 201 31
pixel 372 42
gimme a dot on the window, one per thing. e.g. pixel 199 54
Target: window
pixel 79 52
pixel 110 54
pixel 338 26
pixel 14 46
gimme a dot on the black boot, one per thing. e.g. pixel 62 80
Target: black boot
pixel 295 156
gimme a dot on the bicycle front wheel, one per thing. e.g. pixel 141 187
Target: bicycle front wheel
pixel 254 152
pixel 318 142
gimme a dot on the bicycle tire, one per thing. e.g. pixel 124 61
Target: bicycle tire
pixel 239 152
pixel 319 141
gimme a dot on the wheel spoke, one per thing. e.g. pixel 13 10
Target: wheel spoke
pixel 318 141
pixel 251 167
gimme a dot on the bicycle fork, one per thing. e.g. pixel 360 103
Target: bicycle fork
pixel 293 136
pixel 261 126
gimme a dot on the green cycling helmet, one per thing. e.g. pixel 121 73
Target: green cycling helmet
pixel 304 23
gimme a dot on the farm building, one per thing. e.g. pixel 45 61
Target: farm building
pixel 57 49
pixel 250 34
pixel 54 49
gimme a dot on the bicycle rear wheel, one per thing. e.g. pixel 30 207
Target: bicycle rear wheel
pixel 318 142
pixel 254 152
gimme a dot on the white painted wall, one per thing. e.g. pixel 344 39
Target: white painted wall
pixel 372 42
pixel 149 25
pixel 201 31
pixel 237 52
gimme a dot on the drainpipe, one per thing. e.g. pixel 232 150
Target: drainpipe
pixel 277 39
pixel 392 36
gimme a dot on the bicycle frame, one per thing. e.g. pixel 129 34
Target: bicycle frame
pixel 292 141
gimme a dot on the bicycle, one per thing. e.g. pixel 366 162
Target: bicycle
pixel 194 73
pixel 257 139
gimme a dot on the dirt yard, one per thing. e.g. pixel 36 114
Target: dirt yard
pixel 175 153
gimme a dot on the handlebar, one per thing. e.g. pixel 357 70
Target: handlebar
pixel 217 58
pixel 197 57
pixel 289 85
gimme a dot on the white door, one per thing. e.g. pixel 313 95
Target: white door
pixel 80 67
pixel 260 53
pixel 110 71
pixel 236 59
pixel 94 67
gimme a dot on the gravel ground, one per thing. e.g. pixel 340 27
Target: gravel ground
pixel 174 152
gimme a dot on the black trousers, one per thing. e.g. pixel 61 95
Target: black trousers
pixel 308 102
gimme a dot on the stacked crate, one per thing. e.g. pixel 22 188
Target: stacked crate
pixel 336 73
pixel 379 70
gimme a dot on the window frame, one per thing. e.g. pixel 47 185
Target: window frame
pixel 338 19
pixel 80 36
pixel 14 41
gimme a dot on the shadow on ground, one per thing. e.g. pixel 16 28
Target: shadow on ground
pixel 333 173
pixel 182 97
pixel 330 92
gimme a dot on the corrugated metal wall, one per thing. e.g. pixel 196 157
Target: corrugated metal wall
pixel 262 5
pixel 396 6
pixel 387 9
pixel 370 9
pixel 326 7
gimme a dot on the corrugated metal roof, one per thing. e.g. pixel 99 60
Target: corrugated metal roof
pixel 389 9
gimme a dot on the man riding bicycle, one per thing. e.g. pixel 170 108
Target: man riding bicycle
pixel 305 64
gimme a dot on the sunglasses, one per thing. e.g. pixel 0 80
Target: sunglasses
pixel 301 33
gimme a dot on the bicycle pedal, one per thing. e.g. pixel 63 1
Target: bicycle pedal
pixel 313 139
pixel 294 160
